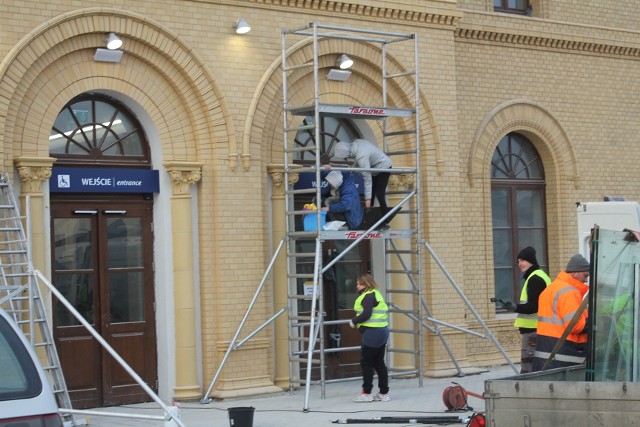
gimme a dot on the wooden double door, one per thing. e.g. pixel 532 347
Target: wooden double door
pixel 102 262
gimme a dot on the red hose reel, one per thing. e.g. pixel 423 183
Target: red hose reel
pixel 455 398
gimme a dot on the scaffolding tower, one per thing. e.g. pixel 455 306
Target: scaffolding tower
pixel 400 134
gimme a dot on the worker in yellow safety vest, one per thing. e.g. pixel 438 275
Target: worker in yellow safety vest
pixel 372 320
pixel 535 281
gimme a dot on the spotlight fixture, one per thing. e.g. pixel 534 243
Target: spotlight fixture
pixel 344 62
pixel 113 41
pixel 242 27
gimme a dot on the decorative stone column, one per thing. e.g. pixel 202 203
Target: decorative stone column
pixel 33 171
pixel 183 175
pixel 405 301
pixel 280 283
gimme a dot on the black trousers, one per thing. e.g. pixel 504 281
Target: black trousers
pixel 372 360
pixel 379 184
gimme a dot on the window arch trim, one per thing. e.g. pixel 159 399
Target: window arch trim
pixel 520 116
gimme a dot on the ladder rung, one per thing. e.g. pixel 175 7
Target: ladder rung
pixel 22 322
pixel 401 152
pixel 400 132
pixel 403 74
pixel 301 254
pixel 302 212
pixel 299 339
pixel 13 252
pixel 301 275
pixel 302 191
pixel 302 318
pixel 305 359
pixel 301 149
pixel 402 251
pixel 8 242
pixel 303 169
pixel 303 234
pixel 16 275
pixel 301 297
pixel 299 128
pixel 403 271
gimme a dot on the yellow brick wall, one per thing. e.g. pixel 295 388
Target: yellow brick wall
pixel 572 62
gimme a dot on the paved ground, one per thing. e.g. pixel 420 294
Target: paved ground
pixel 408 400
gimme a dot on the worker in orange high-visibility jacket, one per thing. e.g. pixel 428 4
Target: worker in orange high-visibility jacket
pixel 556 307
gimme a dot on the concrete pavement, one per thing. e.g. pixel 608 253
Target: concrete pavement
pixel 408 399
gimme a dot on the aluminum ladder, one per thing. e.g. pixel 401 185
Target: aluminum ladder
pixel 20 294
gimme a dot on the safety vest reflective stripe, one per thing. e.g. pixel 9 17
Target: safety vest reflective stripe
pixel 379 315
pixel 562 295
pixel 559 357
pixel 529 321
pixel 555 320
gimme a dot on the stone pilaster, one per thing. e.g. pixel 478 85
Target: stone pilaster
pixel 33 172
pixel 280 284
pixel 183 175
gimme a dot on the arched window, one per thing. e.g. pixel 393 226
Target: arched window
pixel 518 211
pixel 332 130
pixel 94 129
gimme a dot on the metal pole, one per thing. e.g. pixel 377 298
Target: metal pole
pixel 470 306
pixel 107 347
pixel 205 397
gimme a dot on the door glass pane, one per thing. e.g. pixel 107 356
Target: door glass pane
pixel 125 242
pixel 73 265
pixel 73 246
pixel 78 290
pixel 126 296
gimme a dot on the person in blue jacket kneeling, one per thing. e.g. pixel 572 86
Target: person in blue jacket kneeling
pixel 345 198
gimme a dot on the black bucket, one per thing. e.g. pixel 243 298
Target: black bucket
pixel 241 416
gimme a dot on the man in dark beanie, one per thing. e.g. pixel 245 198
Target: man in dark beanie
pixel 535 281
pixel 556 308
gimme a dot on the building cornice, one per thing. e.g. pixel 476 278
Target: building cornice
pixel 437 13
pixel 548 42
pixel 528 32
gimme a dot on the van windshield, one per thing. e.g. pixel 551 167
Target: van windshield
pixel 19 377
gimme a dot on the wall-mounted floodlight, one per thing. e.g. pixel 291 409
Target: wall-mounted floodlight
pixel 242 27
pixel 113 41
pixel 344 62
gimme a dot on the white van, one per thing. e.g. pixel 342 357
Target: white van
pixel 615 216
pixel 26 399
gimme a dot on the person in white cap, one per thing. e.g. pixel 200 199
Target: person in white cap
pixel 367 155
pixel 346 199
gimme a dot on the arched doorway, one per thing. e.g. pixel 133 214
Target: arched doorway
pixel 102 254
pixel 339 282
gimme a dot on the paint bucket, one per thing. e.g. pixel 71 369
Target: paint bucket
pixel 241 416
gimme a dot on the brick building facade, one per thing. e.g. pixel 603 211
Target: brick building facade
pixel 210 103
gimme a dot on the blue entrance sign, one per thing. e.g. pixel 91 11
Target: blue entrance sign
pixel 308 180
pixel 98 180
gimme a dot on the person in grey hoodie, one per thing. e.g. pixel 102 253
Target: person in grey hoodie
pixel 367 155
